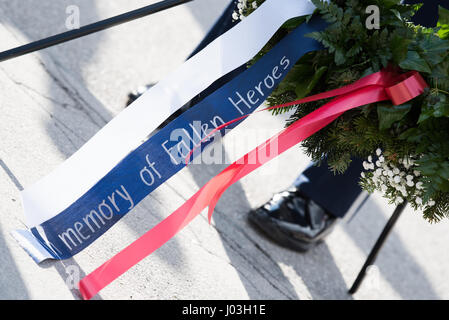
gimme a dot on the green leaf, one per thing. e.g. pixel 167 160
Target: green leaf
pixel 339 57
pixel 397 14
pixel 437 107
pixel 389 114
pixel 413 61
pixel 293 23
pixel 444 186
pixel 441 110
pixel 299 73
pixel 443 23
pixel 409 134
pixel 433 49
pixel 390 3
pixel 303 88
pixel 399 48
pixel 426 113
pixel 441 70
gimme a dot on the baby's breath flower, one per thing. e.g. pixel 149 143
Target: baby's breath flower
pixel 396 180
pixel 365 165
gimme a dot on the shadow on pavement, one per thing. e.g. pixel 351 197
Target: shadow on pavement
pixel 76 114
pixel 257 259
pixel 206 13
pixel 395 263
pixel 36 19
pixel 11 283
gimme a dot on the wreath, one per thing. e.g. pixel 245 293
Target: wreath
pixel 405 147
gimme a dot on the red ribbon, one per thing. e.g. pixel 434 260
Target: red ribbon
pixel 380 86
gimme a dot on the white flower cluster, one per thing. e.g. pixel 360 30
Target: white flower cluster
pixel 241 6
pixel 397 183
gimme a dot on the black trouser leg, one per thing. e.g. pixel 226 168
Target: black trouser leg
pixel 223 24
pixel 335 193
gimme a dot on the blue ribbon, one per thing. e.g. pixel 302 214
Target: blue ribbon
pixel 152 163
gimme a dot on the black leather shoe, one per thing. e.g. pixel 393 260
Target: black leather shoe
pixel 293 220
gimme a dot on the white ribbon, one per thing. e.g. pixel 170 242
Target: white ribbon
pixel 74 177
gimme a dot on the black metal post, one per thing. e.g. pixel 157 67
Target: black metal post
pixel 379 243
pixel 90 28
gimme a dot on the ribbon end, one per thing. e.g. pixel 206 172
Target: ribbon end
pixel 84 291
pixel 31 245
pixel 210 213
